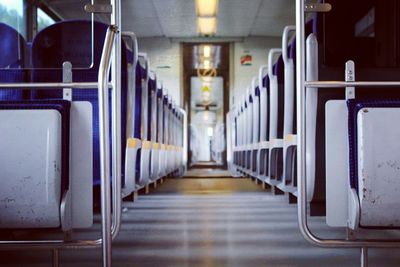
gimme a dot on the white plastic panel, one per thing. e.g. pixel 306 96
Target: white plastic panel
pixel 311 112
pixel 336 153
pixel 379 166
pixel 30 164
pixel 81 164
pixel 144 167
pixel 155 157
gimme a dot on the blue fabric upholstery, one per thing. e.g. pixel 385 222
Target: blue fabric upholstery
pixel 151 88
pixel 63 107
pixel 278 70
pixel 141 74
pixel 354 106
pixel 159 106
pixel 266 85
pixel 165 107
pixel 72 41
pixel 12 49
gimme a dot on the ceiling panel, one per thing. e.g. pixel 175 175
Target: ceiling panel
pixel 137 9
pixel 273 16
pixel 183 26
pixel 145 27
pixel 140 17
pixel 236 17
pixel 177 18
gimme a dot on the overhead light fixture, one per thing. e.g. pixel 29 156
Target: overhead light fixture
pixel 207 26
pixel 207 51
pixel 206 8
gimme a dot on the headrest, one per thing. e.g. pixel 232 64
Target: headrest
pixel 312 25
pixel 12 47
pixel 69 41
pixel 159 93
pixel 266 81
pixel 152 84
pixel 292 50
pixel 278 69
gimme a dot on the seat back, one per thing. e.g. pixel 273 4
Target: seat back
pixel 12 48
pixel 71 41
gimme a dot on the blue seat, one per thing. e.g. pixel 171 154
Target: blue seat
pixel 72 41
pixel 152 87
pixel 264 154
pixel 141 74
pixel 12 48
pixel 159 115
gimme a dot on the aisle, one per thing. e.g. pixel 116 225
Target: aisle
pixel 213 223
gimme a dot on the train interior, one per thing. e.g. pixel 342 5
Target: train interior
pixel 213 133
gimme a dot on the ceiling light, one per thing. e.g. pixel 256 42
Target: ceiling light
pixel 206 8
pixel 207 26
pixel 207 51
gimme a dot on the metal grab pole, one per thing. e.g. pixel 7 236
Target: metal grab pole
pixel 56 260
pixel 364 256
pixel 104 68
pixel 116 121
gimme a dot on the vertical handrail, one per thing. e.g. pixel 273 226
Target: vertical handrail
pixel 104 68
pixel 116 120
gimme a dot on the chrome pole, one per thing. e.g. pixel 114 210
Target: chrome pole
pixel 104 144
pixel 364 257
pixel 116 121
pixel 56 259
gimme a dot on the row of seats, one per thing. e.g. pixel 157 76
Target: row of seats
pixel 50 158
pixel 264 121
pixel 350 152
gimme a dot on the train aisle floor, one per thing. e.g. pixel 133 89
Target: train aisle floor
pixel 214 222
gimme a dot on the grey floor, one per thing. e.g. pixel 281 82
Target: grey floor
pixel 214 223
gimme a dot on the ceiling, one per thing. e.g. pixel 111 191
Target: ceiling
pixel 177 18
pixel 236 18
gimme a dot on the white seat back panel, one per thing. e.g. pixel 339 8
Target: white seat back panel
pixel 336 153
pixel 379 166
pixel 30 164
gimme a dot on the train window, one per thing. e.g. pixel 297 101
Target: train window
pixel 43 20
pixel 12 14
pixel 50 44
